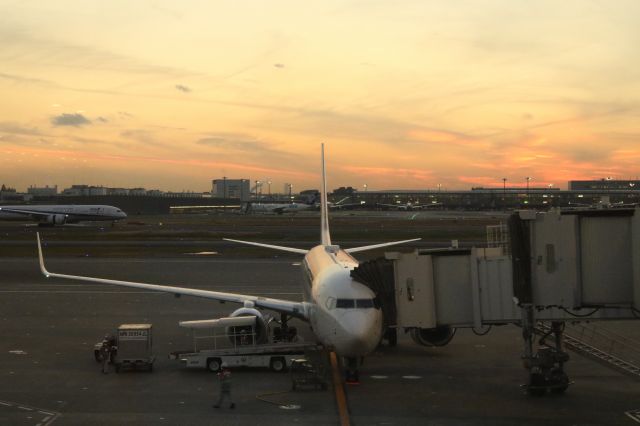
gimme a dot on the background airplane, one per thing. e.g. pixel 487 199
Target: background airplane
pixel 50 215
pixel 410 206
pixel 341 311
pixel 293 207
pixel 279 208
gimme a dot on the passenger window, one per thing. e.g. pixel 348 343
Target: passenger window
pixel 345 303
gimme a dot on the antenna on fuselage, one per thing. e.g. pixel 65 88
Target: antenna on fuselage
pixel 325 238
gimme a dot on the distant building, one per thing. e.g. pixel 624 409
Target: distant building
pixel 344 190
pixel 231 188
pixel 606 184
pixel 10 195
pixel 84 191
pixel 76 191
pixel 184 194
pixel 97 190
pixel 137 191
pixel 117 191
pixel 47 191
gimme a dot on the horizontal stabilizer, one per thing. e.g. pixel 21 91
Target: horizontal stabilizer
pixel 375 246
pixel 220 322
pixel 271 246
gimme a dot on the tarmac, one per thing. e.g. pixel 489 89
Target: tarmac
pixel 49 375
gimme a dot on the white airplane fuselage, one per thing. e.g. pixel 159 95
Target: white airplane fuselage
pixel 280 208
pixel 342 312
pixel 60 213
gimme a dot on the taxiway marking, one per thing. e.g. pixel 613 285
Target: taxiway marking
pixel 50 416
pixel 634 415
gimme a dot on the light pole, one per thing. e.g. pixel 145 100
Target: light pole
pixel 224 193
pixel 504 192
pixel 528 178
pixel 290 189
pixel 269 187
pixel 257 183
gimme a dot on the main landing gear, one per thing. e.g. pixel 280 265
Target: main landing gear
pixel 284 333
pixel 546 366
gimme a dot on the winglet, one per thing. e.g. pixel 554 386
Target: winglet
pixel 42 268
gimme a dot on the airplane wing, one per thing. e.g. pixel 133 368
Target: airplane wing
pixel 296 309
pixel 375 246
pixel 340 206
pixel 282 248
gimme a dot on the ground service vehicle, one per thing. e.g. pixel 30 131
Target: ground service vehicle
pixel 237 346
pixel 134 343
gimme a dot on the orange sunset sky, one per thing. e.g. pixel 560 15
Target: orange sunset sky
pixel 405 94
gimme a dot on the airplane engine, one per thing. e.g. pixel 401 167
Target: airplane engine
pixel 438 336
pixel 244 335
pixel 57 219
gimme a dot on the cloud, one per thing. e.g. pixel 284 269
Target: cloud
pixel 183 88
pixel 17 129
pixel 65 119
pixel 232 141
pixel 48 51
pixel 143 136
pixel 278 65
pixel 102 119
pixel 248 146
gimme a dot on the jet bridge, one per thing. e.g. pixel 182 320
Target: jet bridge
pixel 563 266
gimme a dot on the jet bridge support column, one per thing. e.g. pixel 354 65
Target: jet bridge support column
pixel 546 364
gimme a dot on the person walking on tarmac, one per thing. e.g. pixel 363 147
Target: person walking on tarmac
pixel 108 346
pixel 224 377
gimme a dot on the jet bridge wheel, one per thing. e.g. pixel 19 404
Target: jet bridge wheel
pixel 278 364
pixel 560 381
pixel 214 364
pixel 537 385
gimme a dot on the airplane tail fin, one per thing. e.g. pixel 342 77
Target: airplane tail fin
pixel 325 237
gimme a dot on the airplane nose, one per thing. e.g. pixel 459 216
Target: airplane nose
pixel 363 329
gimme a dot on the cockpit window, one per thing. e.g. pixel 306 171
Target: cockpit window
pixel 345 303
pixel 355 303
pixel 364 303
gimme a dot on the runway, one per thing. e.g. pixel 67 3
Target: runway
pixel 49 328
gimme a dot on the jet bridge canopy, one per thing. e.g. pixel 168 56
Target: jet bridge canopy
pixel 565 264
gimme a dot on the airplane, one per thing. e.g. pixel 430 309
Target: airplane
pixel 342 312
pixel 51 215
pixel 341 204
pixel 603 203
pixel 410 206
pixel 279 208
pixel 293 207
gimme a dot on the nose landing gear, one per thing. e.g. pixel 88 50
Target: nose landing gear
pixel 352 376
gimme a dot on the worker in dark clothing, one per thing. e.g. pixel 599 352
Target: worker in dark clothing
pixel 224 377
pixel 108 346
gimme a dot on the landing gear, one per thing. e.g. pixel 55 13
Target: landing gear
pixel 352 375
pixel 284 333
pixel 546 366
